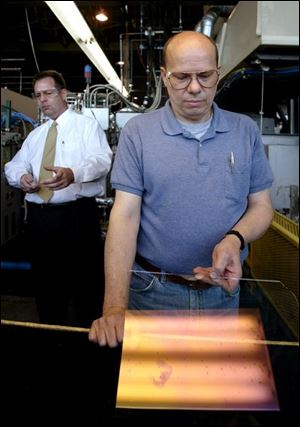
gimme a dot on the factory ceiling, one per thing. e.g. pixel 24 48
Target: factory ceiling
pixel 32 38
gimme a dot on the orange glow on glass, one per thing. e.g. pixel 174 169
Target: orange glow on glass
pixel 211 360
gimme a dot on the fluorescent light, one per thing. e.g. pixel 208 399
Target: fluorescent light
pixel 71 18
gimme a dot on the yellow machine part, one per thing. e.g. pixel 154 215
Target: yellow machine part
pixel 276 256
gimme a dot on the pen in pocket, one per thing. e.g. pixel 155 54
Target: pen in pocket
pixel 231 161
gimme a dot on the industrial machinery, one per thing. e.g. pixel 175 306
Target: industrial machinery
pixel 259 67
pixel 258 46
pixel 11 198
pixel 13 131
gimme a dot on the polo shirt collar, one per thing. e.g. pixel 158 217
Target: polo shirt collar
pixel 171 126
pixel 169 123
pixel 220 122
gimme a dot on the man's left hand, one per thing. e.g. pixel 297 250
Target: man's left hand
pixel 63 178
pixel 226 269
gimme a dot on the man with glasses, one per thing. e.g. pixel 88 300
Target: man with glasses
pixel 192 189
pixel 61 167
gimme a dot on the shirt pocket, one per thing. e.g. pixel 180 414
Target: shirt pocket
pixel 237 181
pixel 71 150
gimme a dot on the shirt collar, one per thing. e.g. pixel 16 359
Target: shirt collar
pixel 169 123
pixel 62 119
pixel 171 126
pixel 220 122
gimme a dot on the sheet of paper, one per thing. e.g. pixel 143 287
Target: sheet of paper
pixel 210 360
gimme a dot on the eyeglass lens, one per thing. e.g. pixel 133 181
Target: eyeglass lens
pixel 47 93
pixel 206 79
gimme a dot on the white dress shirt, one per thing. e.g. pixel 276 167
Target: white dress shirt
pixel 81 146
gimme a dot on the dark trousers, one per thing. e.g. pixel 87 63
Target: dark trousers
pixel 67 261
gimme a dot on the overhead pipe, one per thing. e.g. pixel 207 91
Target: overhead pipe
pixel 207 23
pixel 180 27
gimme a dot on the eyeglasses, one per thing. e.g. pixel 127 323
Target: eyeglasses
pixel 206 79
pixel 48 93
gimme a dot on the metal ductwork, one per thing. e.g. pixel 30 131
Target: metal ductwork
pixel 254 25
pixel 207 23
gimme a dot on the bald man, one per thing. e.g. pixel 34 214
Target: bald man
pixel 192 190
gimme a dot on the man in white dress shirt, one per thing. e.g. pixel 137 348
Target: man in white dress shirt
pixel 64 231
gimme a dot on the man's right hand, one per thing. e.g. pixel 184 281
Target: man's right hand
pixel 108 329
pixel 28 184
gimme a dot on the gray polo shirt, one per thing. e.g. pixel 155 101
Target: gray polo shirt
pixel 193 191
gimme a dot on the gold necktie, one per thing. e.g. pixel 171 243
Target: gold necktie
pixel 48 160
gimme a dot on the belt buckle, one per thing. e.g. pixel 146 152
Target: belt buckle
pixel 198 285
pixel 193 285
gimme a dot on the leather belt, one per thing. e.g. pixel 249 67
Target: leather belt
pixel 72 203
pixel 194 284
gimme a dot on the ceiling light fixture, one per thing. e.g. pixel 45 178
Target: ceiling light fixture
pixel 101 16
pixel 71 18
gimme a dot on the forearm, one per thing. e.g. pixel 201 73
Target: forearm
pixel 91 169
pixel 226 254
pixel 14 170
pixel 98 156
pixel 257 218
pixel 120 249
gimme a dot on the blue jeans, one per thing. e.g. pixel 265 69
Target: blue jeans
pixel 155 292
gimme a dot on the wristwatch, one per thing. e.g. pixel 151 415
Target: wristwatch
pixel 239 236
